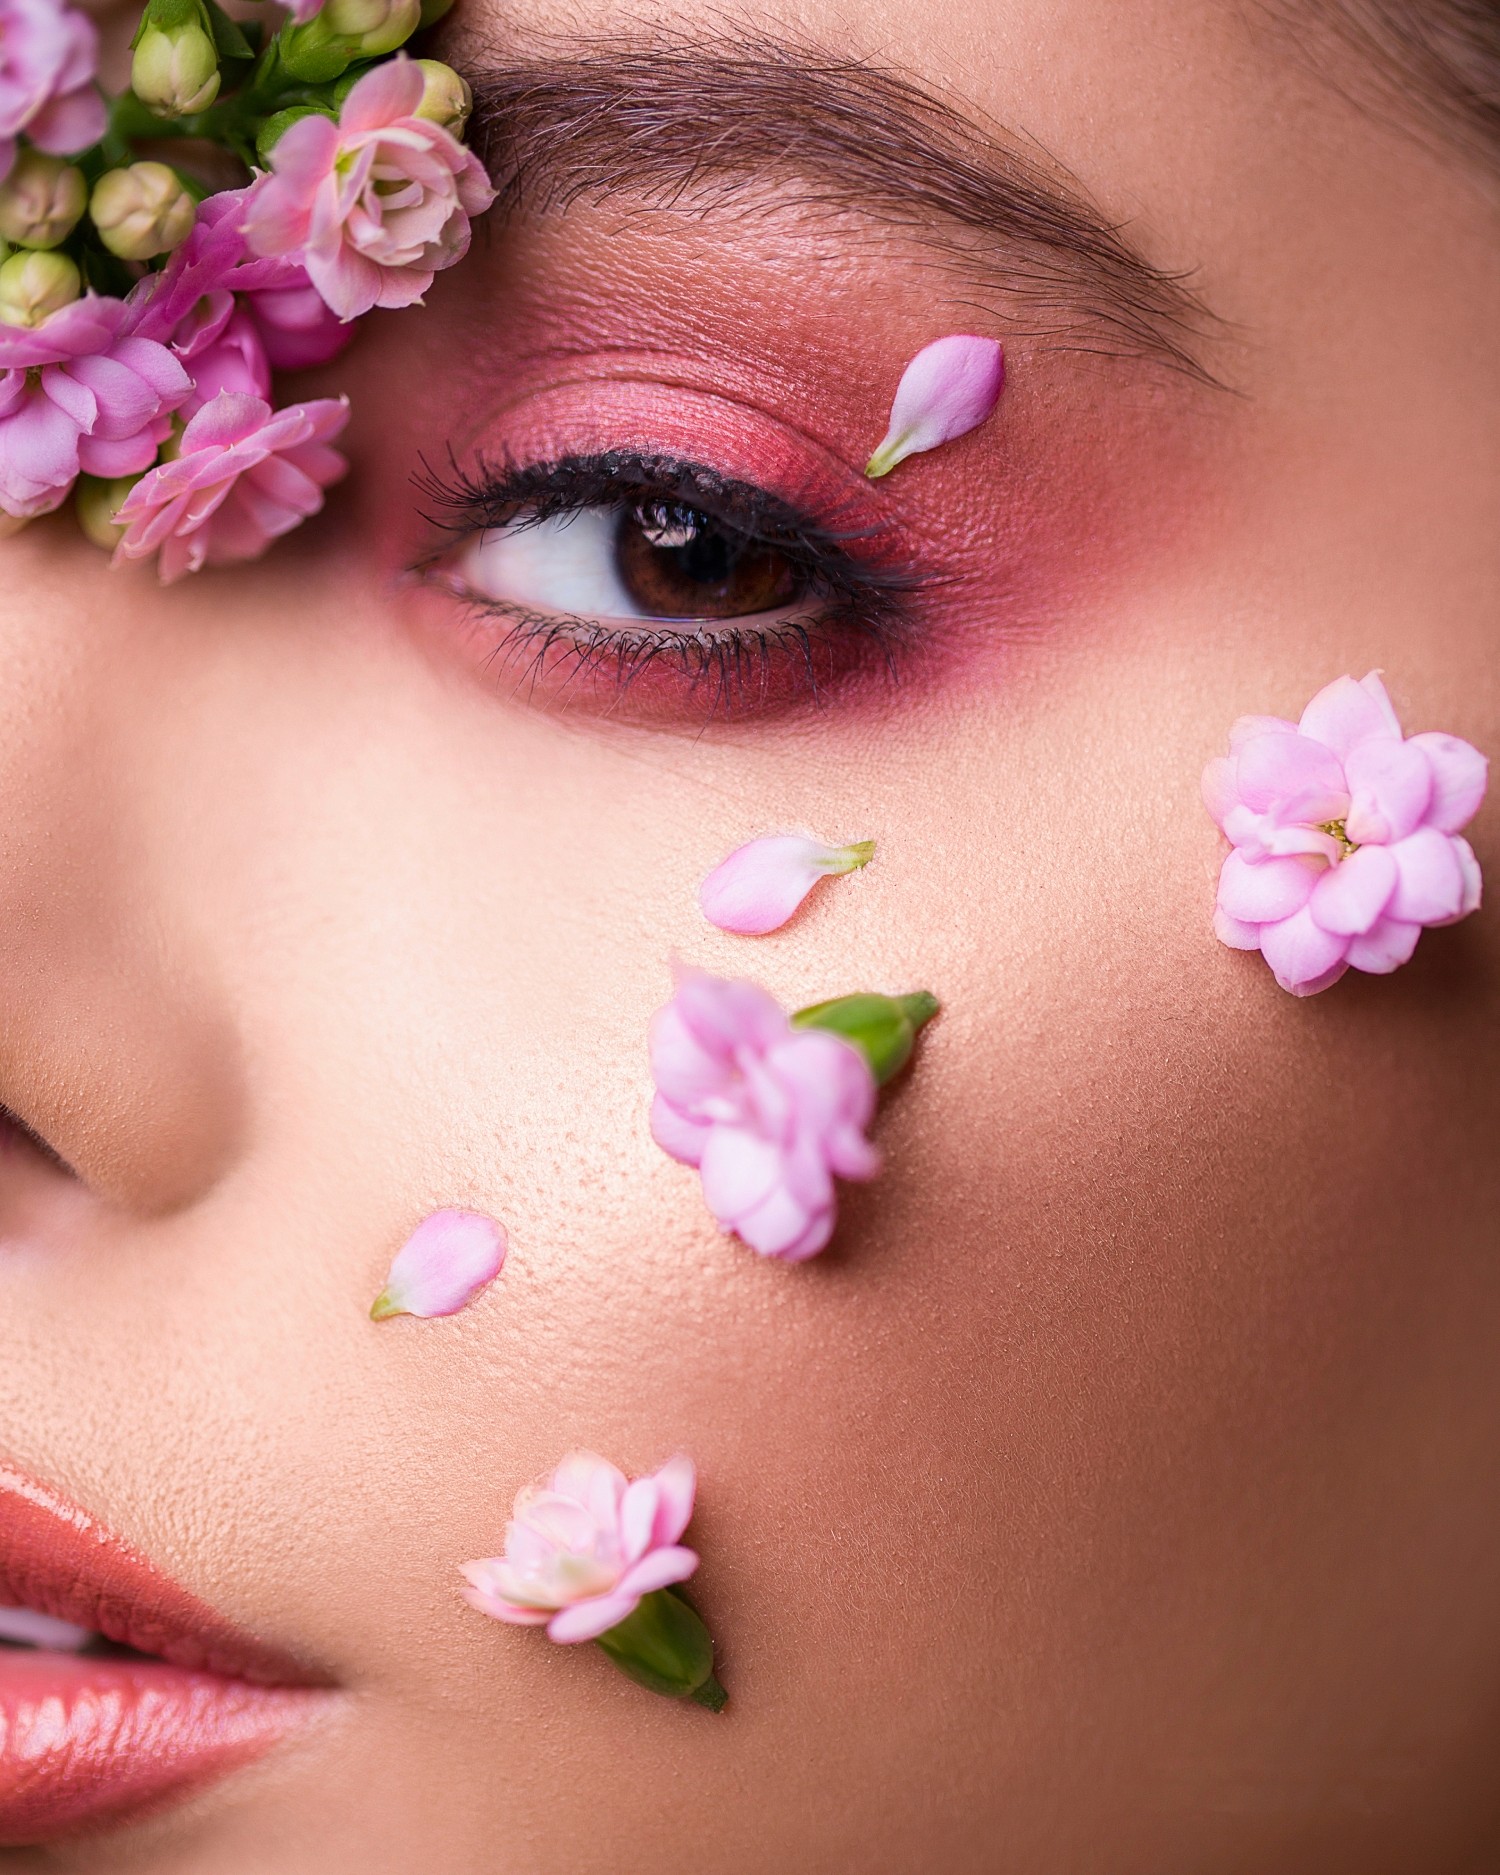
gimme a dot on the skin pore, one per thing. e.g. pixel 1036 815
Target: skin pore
pixel 1118 1492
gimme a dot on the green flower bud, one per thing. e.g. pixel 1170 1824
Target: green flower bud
pixel 374 27
pixel 664 1646
pixel 883 1028
pixel 175 70
pixel 41 200
pixel 446 97
pixel 97 502
pixel 433 11
pixel 141 211
pixel 34 285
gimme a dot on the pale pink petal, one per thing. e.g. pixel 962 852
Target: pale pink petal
pixel 1351 896
pixel 1459 775
pixel 679 1137
pixel 1294 776
pixel 948 389
pixel 638 1510
pixel 761 884
pixel 676 1485
pixel 586 1621
pixel 498 1609
pixel 1430 888
pixel 1385 947
pixel 1390 786
pixel 1235 933
pixel 1267 890
pixel 446 1261
pixel 386 93
pixel 1220 794
pixel 739 1171
pixel 1301 952
pixel 1243 728
pixel 784 1230
pixel 658 1571
pixel 593 1482
pixel 1473 888
pixel 1345 713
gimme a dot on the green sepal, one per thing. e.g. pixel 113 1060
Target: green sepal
pixel 272 129
pixel 664 1646
pixel 315 56
pixel 229 41
pixel 883 1028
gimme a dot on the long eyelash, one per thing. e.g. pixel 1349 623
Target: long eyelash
pixel 858 596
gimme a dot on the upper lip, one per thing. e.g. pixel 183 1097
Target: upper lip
pixel 59 1560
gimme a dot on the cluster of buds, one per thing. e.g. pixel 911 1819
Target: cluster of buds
pixel 113 257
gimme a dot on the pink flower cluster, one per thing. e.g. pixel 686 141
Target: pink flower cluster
pixel 584 1546
pixel 356 214
pixel 48 55
pixel 768 1114
pixel 1345 833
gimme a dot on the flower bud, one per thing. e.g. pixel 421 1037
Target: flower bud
pixel 41 200
pixel 175 70
pixel 664 1646
pixel 882 1028
pixel 33 285
pixel 141 211
pixel 374 27
pixel 446 97
pixel 96 504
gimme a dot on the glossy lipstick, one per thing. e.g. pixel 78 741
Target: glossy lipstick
pixel 89 1739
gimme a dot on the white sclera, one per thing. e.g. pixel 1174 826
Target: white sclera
pixel 564 564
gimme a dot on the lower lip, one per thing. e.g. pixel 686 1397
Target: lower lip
pixel 86 1742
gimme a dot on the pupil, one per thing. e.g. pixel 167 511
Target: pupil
pixel 677 562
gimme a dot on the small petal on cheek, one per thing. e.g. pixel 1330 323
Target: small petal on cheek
pixel 948 389
pixel 444 1264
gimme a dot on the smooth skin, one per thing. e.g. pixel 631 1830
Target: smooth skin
pixel 1118 1496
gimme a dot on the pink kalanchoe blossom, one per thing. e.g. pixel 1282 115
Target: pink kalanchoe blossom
pixel 948 389
pixel 243 475
pixel 768 1114
pixel 80 392
pixel 761 884
pixel 585 1545
pixel 443 1265
pixel 48 55
pixel 1345 833
pixel 374 205
pixel 220 346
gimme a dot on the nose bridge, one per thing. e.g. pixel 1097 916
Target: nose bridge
pixel 114 1046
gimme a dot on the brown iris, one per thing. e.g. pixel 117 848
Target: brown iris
pixel 677 562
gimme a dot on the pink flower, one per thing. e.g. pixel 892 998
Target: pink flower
pixel 220 345
pixel 1345 836
pixel 583 1547
pixel 948 389
pixel 374 205
pixel 243 474
pixel 446 1261
pixel 768 1114
pixel 48 54
pixel 79 392
pixel 760 885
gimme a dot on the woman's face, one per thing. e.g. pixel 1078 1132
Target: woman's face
pixel 1119 1491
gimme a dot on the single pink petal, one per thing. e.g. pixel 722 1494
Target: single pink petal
pixel 1390 787
pixel 1293 777
pixel 785 1231
pixel 446 1261
pixel 1243 728
pixel 1220 794
pixel 739 1171
pixel 69 124
pixel 1238 935
pixel 1351 896
pixel 680 1138
pixel 1267 890
pixel 498 1609
pixel 1301 953
pixel 1468 865
pixel 948 389
pixel 676 1484
pixel 658 1571
pixel 386 92
pixel 638 1510
pixel 593 1482
pixel 761 884
pixel 1345 713
pixel 1459 774
pixel 586 1621
pixel 1385 947
pixel 1430 888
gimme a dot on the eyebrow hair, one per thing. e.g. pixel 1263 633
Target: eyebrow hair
pixel 690 126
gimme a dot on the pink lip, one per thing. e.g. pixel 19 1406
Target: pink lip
pixel 88 1741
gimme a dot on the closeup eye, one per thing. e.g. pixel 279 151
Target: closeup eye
pixel 650 559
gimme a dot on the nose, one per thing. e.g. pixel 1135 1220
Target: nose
pixel 115 1046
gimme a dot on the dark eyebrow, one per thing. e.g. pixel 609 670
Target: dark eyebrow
pixel 691 126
